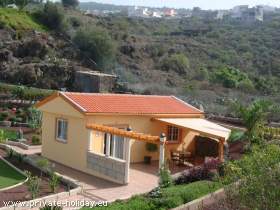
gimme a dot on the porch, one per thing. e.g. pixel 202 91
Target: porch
pixel 113 162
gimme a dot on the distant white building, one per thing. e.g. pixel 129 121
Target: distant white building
pixel 237 11
pixel 138 12
pixel 244 13
pixel 13 6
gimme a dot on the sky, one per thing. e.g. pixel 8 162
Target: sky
pixel 204 4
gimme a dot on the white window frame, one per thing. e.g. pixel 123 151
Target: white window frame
pixel 58 120
pixel 173 133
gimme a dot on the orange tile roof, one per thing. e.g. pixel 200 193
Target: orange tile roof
pixel 129 104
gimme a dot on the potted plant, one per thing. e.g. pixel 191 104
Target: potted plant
pixel 150 148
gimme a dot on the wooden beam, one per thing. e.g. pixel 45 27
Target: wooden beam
pixel 221 149
pixel 124 133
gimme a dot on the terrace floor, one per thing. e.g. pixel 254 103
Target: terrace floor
pixel 143 178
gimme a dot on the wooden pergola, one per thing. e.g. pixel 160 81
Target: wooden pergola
pixel 125 133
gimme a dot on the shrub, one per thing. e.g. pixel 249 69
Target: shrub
pixel 258 174
pixel 52 16
pixel 35 118
pixel 236 135
pixel 151 147
pixel 176 62
pixel 165 179
pixel 43 164
pixel 2 136
pixel 97 44
pixel 51 208
pixel 36 140
pixel 33 184
pixel 10 153
pixel 54 182
pixel 230 77
pixel 4 115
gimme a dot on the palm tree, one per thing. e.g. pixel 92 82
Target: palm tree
pixel 254 117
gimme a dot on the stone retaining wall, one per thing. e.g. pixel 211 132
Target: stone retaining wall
pixel 23 145
pixel 206 200
pixel 111 167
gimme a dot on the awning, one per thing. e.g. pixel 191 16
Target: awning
pixel 204 127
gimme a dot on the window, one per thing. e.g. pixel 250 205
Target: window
pixel 61 130
pixel 173 133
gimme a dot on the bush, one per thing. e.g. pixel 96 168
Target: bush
pixel 33 184
pixel 54 182
pixel 198 173
pixel 165 179
pixel 236 135
pixel 176 62
pixel 36 140
pixel 96 44
pixel 2 136
pixel 4 115
pixel 52 16
pixel 151 147
pixel 231 78
pixel 258 174
pixel 51 208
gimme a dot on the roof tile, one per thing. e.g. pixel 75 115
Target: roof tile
pixel 129 104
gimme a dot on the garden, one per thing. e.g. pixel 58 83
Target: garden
pixel 39 184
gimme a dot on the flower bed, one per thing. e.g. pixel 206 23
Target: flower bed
pixel 21 192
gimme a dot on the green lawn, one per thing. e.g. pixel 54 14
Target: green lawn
pixel 19 20
pixel 171 197
pixel 12 135
pixel 9 176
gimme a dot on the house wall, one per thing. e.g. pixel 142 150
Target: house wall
pixel 74 153
pixel 141 124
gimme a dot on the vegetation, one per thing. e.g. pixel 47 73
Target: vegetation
pixel 35 118
pixel 97 44
pixel 151 147
pixel 33 184
pixel 54 182
pixel 7 134
pixel 36 140
pixel 176 62
pixel 168 198
pixel 258 180
pixel 43 164
pixel 236 135
pixel 19 20
pixel 23 92
pixel 254 118
pixel 165 179
pixel 51 16
pixel 9 176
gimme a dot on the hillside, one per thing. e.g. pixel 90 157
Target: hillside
pixel 208 62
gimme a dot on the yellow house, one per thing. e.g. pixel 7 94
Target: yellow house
pixel 101 134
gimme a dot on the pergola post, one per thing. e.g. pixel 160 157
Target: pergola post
pixel 127 156
pixel 90 139
pixel 161 150
pixel 221 149
pixel 108 142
